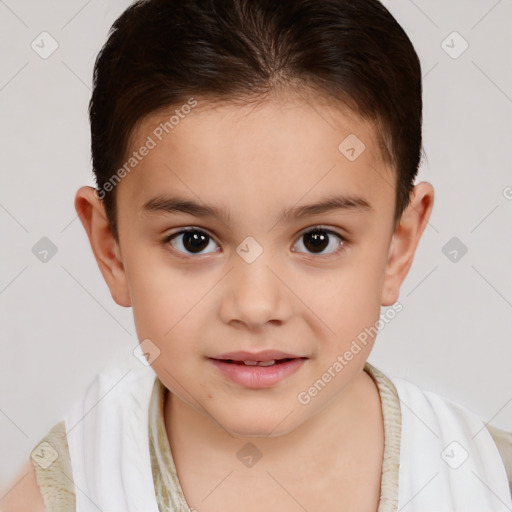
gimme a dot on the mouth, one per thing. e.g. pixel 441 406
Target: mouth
pixel 257 372
pixel 264 356
pixel 270 362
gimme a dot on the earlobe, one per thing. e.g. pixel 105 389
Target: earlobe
pixel 105 247
pixel 405 241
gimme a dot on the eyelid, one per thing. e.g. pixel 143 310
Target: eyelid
pixel 165 241
pixel 323 228
pixel 186 229
pixel 302 232
pixel 320 227
pixel 315 227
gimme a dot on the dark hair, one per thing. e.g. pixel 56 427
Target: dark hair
pixel 160 53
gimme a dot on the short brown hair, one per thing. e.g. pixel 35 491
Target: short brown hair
pixel 159 53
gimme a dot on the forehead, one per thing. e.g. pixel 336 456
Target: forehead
pixel 274 151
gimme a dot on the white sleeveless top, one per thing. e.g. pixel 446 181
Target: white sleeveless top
pixel 438 456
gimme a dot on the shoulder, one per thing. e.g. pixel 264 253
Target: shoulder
pixel 23 493
pixel 45 482
pixel 503 441
pixel 117 380
pixel 421 402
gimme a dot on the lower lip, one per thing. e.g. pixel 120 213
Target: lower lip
pixel 256 377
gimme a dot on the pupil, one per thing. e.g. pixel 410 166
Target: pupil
pixel 318 240
pixel 194 241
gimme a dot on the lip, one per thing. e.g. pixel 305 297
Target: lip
pixel 257 377
pixel 263 356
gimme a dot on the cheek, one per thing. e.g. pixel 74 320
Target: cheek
pixel 168 311
pixel 165 312
pixel 350 301
pixel 161 299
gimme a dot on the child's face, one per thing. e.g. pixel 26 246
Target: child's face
pixel 253 281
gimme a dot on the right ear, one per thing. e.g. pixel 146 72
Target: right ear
pixel 105 247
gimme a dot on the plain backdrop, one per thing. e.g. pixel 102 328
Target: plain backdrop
pixel 59 324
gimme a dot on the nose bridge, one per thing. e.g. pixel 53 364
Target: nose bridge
pixel 255 294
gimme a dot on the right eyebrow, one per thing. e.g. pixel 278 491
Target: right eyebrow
pixel 176 204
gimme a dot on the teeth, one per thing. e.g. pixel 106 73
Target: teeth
pixel 260 363
pixel 267 363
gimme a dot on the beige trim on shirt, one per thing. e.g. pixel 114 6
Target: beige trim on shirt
pixel 52 462
pixel 52 465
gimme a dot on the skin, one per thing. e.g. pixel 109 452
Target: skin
pixel 254 162
pixel 22 493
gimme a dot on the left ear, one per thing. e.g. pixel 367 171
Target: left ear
pixel 405 240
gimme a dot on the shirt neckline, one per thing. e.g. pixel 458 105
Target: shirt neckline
pixel 169 493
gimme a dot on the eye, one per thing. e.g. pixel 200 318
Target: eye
pixel 318 239
pixel 194 241
pixel 190 241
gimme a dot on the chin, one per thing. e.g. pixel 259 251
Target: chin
pixel 259 425
pixel 250 431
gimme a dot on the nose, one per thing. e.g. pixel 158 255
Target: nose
pixel 255 294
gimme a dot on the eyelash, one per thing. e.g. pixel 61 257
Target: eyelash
pixel 167 239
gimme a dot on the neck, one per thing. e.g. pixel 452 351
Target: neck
pixel 351 420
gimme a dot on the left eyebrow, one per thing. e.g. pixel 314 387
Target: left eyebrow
pixel 177 204
pixel 331 203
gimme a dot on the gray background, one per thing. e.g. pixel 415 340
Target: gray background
pixel 59 324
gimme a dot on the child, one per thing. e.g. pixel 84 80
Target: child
pixel 255 206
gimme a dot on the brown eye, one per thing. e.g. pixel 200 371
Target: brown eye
pixel 190 241
pixel 317 240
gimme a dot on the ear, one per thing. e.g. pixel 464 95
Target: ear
pixel 106 249
pixel 405 240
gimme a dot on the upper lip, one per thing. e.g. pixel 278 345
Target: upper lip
pixel 265 355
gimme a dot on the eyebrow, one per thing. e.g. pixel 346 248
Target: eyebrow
pixel 176 204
